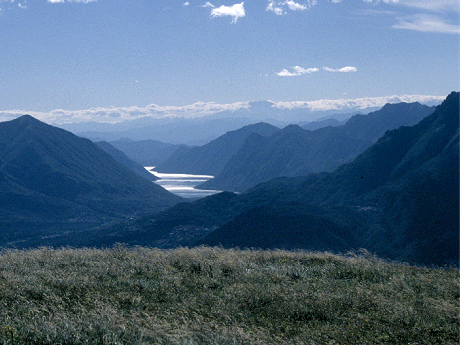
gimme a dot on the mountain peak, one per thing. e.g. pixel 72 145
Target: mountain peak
pixel 293 128
pixel 51 175
pixel 26 119
pixel 25 122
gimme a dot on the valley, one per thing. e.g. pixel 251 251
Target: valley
pixel 368 183
pixel 182 185
pixel 276 172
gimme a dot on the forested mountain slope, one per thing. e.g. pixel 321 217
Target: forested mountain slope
pixel 399 199
pixel 401 195
pixel 50 178
pixel 212 157
pixel 294 151
pixel 146 152
pixel 122 158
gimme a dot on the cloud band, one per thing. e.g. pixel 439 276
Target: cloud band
pixel 297 70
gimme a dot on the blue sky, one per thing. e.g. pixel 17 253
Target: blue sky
pixel 81 54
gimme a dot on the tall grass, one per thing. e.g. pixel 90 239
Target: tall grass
pixel 216 296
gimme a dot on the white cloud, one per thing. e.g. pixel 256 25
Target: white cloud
pixel 199 109
pixel 385 1
pixel 186 3
pixel 118 114
pixel 297 71
pixel 280 7
pixel 426 23
pixel 22 6
pixel 236 11
pixel 357 103
pixel 429 5
pixel 286 73
pixel 207 4
pixel 274 8
pixel 432 5
pixel 293 6
pixel 343 69
pixel 63 1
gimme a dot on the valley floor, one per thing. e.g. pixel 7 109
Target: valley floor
pixel 216 296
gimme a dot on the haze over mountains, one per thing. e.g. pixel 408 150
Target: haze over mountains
pixel 399 199
pixel 52 179
pixel 255 153
pixel 211 158
pixel 294 151
pixel 201 130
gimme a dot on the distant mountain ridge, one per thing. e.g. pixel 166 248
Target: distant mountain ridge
pixel 197 131
pixel 51 178
pixel 311 126
pixel 176 131
pixel 401 195
pixel 122 158
pixel 211 158
pixel 146 152
pixel 294 151
pixel 398 199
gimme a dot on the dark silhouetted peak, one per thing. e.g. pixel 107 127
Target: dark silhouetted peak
pixel 52 166
pixel 401 105
pixel 293 129
pixel 26 117
pixel 372 126
pixel 452 96
pixel 27 120
pixel 211 158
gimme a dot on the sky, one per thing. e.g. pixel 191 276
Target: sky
pixel 65 56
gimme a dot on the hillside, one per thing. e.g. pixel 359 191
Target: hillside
pixel 52 179
pixel 192 128
pixel 294 151
pixel 210 159
pixel 217 296
pixel 122 158
pixel 173 130
pixel 314 125
pixel 146 152
pixel 399 199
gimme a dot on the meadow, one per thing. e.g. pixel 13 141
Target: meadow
pixel 210 295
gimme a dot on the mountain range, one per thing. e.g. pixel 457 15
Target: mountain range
pixel 52 181
pixel 177 131
pixel 196 130
pixel 294 151
pixel 211 158
pixel 398 199
pixel 122 158
pixel 147 152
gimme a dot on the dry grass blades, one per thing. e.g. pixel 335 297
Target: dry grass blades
pixel 216 296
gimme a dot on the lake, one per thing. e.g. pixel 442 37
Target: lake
pixel 182 184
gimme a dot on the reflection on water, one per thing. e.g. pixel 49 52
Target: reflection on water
pixel 183 184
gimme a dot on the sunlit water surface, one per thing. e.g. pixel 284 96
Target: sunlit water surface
pixel 182 184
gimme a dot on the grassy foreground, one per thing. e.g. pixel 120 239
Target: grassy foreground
pixel 217 296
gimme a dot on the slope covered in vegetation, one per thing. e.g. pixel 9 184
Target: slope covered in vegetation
pixel 216 296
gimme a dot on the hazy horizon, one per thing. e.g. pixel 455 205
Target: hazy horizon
pixel 316 109
pixel 64 58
